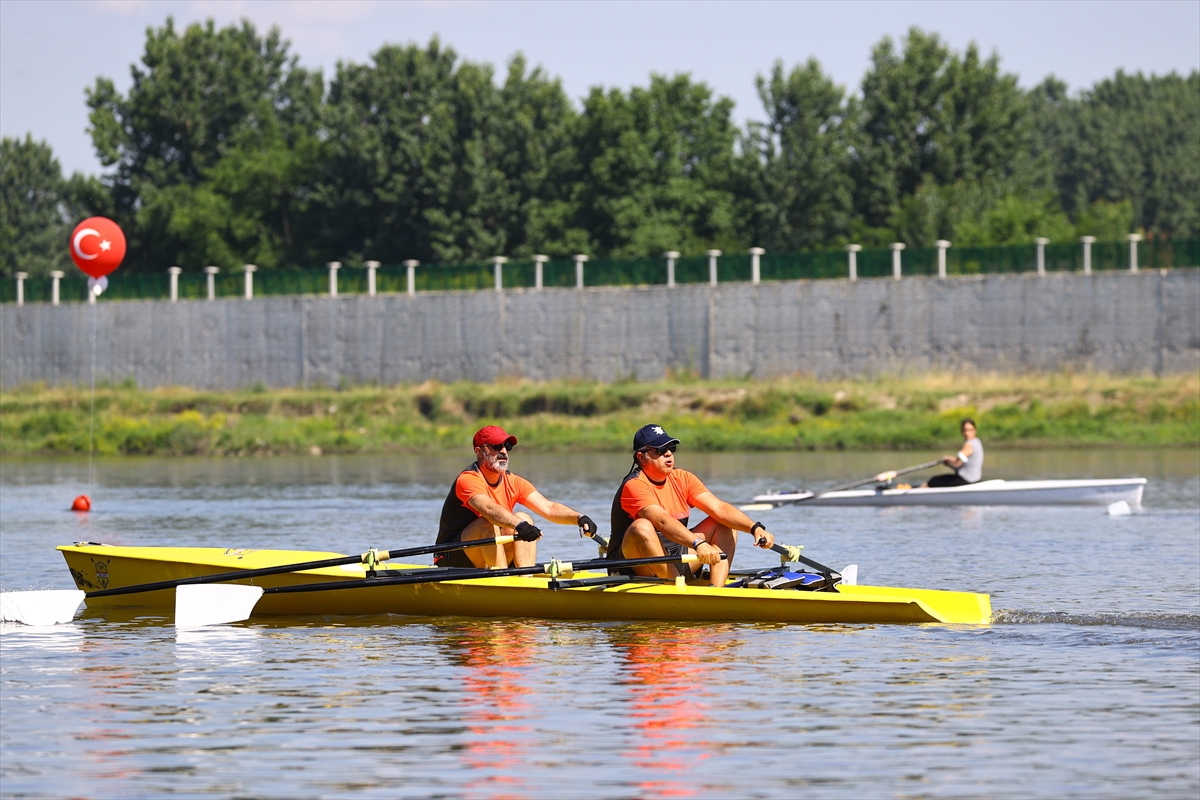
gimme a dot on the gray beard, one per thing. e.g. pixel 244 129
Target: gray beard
pixel 493 463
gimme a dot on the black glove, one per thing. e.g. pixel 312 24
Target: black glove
pixel 586 526
pixel 528 532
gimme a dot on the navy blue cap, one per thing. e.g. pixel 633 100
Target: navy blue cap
pixel 652 436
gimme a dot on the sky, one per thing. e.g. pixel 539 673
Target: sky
pixel 51 50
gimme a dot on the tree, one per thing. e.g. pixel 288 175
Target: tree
pixel 429 159
pixel 929 116
pixel 1133 138
pixel 797 172
pixel 33 197
pixel 657 169
pixel 208 106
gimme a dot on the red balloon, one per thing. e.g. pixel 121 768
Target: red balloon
pixel 97 246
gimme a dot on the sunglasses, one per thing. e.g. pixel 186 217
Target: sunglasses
pixel 656 452
pixel 501 446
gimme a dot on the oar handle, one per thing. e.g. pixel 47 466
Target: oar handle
pixel 433 549
pixel 792 553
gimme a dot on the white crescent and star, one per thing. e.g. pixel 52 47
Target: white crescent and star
pixel 105 244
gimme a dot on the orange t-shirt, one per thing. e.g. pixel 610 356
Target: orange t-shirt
pixel 511 490
pixel 677 495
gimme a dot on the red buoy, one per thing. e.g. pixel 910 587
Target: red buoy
pixel 82 503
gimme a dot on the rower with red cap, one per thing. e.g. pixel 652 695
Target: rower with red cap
pixel 480 506
pixel 650 515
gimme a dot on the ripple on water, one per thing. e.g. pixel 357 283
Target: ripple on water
pixel 1095 698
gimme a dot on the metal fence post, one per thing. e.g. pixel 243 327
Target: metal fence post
pixel 1041 241
pixel 212 281
pixel 942 246
pixel 174 273
pixel 1134 238
pixel 248 270
pixel 56 275
pixel 580 258
pixel 1088 241
pixel 896 248
pixel 852 251
pixel 498 263
pixel 410 276
pixel 713 255
pixel 539 264
pixel 21 276
pixel 334 266
pixel 671 255
pixel 755 268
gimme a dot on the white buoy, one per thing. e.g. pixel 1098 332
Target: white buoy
pixel 1119 509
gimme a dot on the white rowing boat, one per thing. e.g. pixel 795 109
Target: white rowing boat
pixel 984 493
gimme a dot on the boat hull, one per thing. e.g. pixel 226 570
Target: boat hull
pixel 984 493
pixel 505 597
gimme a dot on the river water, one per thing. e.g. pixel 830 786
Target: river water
pixel 1087 684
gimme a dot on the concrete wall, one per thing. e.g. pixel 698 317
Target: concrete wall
pixel 1116 322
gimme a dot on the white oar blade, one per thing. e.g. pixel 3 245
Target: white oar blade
pixel 1119 509
pixel 850 575
pixel 214 604
pixel 51 607
pixel 757 507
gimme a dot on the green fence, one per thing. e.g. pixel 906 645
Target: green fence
pixel 871 263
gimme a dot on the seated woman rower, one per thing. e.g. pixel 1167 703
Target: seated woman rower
pixel 967 464
pixel 651 509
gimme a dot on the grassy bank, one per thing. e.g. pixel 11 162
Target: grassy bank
pixel 796 413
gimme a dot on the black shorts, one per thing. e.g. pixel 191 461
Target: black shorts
pixel 453 558
pixel 953 479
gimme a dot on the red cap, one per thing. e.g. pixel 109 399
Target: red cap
pixel 492 434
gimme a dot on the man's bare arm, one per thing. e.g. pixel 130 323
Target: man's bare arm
pixel 548 509
pixel 493 512
pixel 731 516
pixel 667 525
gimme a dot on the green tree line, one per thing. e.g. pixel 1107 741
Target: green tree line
pixel 226 151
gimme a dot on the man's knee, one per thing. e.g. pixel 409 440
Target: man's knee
pixel 479 529
pixel 640 536
pixel 524 517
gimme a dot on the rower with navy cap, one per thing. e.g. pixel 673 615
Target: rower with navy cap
pixel 480 506
pixel 651 510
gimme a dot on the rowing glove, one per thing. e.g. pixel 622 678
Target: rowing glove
pixel 527 532
pixel 586 526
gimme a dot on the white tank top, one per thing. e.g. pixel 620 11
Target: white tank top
pixel 972 471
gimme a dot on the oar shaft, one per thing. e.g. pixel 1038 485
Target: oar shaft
pixel 863 482
pixel 452 574
pixel 262 572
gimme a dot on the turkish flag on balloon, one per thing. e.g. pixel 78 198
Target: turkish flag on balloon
pixel 97 246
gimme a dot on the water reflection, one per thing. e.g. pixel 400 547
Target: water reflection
pixel 217 642
pixel 667 683
pixel 495 658
pixel 41 638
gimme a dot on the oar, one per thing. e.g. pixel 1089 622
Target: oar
pixel 791 554
pixel 882 477
pixel 59 606
pixel 196 606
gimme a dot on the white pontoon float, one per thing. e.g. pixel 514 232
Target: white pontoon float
pixel 984 493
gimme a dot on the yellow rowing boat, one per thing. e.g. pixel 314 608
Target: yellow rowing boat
pixel 96 567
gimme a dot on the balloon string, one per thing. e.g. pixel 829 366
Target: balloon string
pixel 92 416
